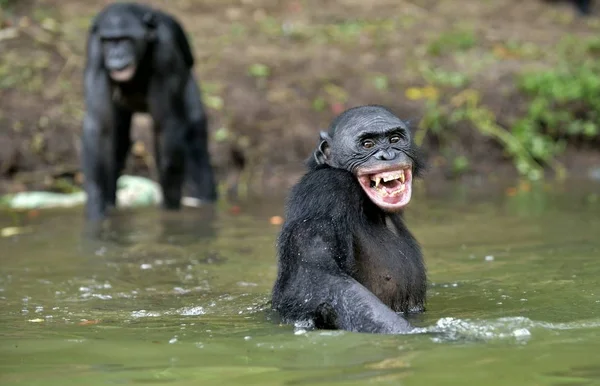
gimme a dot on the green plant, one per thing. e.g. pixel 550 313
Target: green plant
pixel 439 77
pixel 565 101
pixel 460 165
pixel 6 4
pixel 380 82
pixel 459 39
pixel 259 70
pixel 465 107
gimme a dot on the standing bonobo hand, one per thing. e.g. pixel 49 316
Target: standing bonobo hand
pixel 139 60
pixel 346 258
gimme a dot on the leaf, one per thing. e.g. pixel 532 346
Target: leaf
pixel 414 93
pixel 380 82
pixel 318 104
pixel 221 134
pixel 214 102
pixel 427 92
pixel 258 70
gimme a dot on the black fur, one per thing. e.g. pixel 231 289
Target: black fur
pixel 584 6
pixel 344 263
pixel 163 85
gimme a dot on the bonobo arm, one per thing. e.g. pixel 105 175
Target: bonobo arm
pixel 316 258
pixel 97 149
pixel 312 285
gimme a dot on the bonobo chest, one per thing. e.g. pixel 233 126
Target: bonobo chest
pixel 133 99
pixel 389 263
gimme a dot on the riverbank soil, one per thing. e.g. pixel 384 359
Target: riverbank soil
pixel 274 73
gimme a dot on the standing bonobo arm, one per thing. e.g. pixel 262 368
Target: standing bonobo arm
pixel 313 285
pixel 97 146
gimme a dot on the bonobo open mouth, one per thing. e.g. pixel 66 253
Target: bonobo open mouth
pixel 389 189
pixel 124 74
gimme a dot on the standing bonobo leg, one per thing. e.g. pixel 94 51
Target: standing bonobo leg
pixel 198 167
pixel 170 159
pixel 167 108
pixel 121 145
pixel 97 142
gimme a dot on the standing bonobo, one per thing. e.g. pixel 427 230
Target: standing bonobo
pixel 346 258
pixel 139 60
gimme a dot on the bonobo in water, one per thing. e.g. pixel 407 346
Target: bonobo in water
pixel 346 258
pixel 139 60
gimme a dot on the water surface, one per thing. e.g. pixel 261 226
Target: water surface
pixel 181 299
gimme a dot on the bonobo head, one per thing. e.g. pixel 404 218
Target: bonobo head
pixel 125 34
pixel 376 146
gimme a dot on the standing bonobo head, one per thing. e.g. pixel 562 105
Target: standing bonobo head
pixel 125 34
pixel 376 146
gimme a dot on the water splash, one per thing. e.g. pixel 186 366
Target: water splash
pixel 518 328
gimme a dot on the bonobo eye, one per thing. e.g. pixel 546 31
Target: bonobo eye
pixel 368 143
pixel 395 138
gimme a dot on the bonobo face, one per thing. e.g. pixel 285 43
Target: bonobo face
pixel 119 58
pixel 376 147
pixel 124 39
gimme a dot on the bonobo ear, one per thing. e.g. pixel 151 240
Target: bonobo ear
pixel 149 20
pixel 323 152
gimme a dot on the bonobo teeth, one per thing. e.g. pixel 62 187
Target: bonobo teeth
pixel 386 177
pixel 391 177
pixel 381 183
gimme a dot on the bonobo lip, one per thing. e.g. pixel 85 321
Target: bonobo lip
pixel 389 188
pixel 124 74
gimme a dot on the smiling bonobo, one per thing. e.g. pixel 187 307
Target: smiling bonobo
pixel 346 259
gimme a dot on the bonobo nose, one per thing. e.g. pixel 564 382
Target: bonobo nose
pixel 385 155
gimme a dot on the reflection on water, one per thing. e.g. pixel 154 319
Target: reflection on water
pixel 182 298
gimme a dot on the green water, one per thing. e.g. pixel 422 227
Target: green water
pixel 180 299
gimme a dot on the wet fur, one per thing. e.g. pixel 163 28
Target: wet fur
pixel 334 236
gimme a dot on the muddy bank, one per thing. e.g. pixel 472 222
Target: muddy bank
pixel 274 73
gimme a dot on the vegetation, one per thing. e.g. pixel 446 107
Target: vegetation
pixel 562 105
pixel 272 74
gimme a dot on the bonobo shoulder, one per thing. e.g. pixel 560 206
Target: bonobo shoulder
pixel 324 192
pixel 178 36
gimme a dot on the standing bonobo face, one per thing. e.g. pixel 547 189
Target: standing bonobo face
pixel 376 147
pixel 124 38
pixel 119 58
